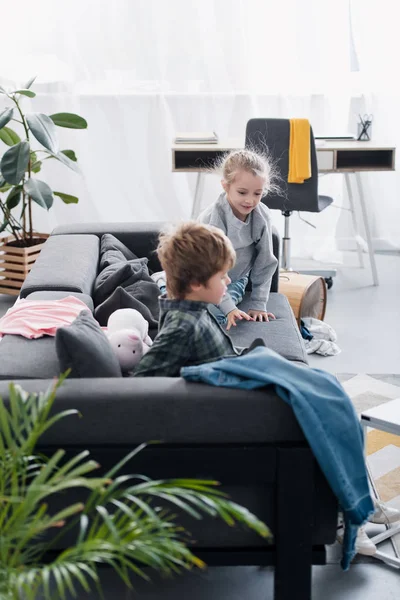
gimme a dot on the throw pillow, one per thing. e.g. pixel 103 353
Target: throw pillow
pixel 121 273
pixel 147 293
pixel 110 242
pixel 111 257
pixel 120 298
pixel 84 348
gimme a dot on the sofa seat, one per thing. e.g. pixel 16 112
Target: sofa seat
pixel 281 335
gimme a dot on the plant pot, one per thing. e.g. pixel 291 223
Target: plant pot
pixel 16 262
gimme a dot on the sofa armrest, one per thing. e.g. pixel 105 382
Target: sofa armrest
pixel 66 263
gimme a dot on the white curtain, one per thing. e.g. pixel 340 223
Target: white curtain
pixel 140 70
pixel 375 26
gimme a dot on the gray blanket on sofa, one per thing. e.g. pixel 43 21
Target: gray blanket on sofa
pixel 126 284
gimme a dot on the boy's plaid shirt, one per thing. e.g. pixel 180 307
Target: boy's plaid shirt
pixel 188 335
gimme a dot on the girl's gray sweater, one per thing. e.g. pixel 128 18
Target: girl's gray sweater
pixel 252 240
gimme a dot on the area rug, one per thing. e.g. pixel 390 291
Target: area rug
pixel 383 449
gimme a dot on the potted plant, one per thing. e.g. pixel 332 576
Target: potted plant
pixel 20 186
pixel 118 525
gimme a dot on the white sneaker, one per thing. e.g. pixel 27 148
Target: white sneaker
pixel 160 279
pixel 363 544
pixel 384 514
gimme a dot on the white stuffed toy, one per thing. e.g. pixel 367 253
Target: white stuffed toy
pixel 127 332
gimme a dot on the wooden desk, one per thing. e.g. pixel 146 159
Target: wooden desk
pixel 333 157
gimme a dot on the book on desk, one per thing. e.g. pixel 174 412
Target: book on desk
pixel 196 138
pixel 336 137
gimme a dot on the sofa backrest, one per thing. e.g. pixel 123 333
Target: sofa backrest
pixel 141 238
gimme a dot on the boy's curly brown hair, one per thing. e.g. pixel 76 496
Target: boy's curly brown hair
pixel 193 253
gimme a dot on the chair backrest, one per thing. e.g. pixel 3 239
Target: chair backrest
pixel 272 135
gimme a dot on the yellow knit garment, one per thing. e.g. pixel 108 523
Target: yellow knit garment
pixel 299 151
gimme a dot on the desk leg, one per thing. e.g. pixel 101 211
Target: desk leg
pixel 367 229
pixel 198 195
pixel 354 219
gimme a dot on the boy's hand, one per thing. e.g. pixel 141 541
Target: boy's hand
pixel 261 315
pixel 236 314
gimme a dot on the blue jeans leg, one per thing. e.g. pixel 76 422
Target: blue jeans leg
pixel 237 289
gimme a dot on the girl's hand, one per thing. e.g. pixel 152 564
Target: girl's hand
pixel 261 315
pixel 236 314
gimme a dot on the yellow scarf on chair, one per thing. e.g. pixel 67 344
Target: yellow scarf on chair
pixel 299 151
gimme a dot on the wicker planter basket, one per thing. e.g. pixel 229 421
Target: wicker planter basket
pixel 15 262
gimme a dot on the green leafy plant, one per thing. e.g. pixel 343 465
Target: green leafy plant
pixel 20 164
pixel 118 523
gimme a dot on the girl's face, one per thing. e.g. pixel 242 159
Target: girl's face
pixel 244 193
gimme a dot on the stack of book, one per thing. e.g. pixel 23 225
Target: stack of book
pixel 196 138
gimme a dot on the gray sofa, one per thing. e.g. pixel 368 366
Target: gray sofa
pixel 250 441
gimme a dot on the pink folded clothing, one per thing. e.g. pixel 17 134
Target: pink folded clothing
pixel 34 318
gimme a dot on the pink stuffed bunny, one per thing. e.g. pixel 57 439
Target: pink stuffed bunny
pixel 128 347
pixel 127 332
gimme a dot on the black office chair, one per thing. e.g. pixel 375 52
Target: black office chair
pixel 272 135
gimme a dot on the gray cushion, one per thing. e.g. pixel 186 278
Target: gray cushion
pixel 110 257
pixel 59 295
pixel 282 335
pixel 147 293
pixel 120 298
pixel 28 359
pixel 121 273
pixel 110 243
pixel 66 263
pixel 84 348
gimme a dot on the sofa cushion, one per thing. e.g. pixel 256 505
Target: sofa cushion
pixel 109 243
pixel 84 348
pixel 21 358
pixel 113 251
pixel 120 298
pixel 59 295
pixel 66 263
pixel 119 273
pixel 281 335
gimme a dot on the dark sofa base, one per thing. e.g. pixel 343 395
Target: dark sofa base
pixel 281 484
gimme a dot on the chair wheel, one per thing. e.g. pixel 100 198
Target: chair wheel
pixel 329 282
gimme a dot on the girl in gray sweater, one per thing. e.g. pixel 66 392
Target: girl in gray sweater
pixel 247 176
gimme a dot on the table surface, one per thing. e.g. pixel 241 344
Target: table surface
pixel 387 413
pixel 230 144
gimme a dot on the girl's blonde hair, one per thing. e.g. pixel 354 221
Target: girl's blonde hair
pixel 253 162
